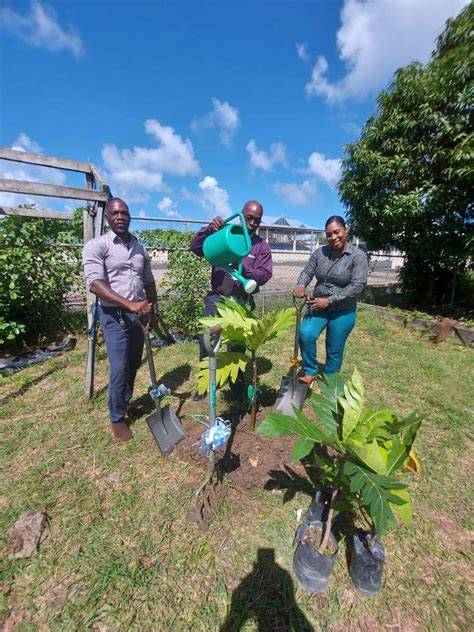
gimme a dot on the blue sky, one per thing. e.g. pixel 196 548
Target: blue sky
pixel 191 108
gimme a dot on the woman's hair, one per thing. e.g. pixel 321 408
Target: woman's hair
pixel 335 218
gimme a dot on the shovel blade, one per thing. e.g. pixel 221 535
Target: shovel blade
pixel 289 396
pixel 166 428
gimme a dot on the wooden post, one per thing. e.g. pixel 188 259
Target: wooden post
pixel 90 217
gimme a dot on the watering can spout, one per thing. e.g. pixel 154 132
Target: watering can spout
pixel 228 245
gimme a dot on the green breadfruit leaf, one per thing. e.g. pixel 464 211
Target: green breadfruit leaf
pixel 397 455
pixel 400 424
pixel 410 435
pixel 376 494
pixel 324 411
pixel 400 448
pixel 332 387
pixel 241 307
pixel 229 363
pixel 405 511
pixel 227 318
pixel 272 325
pixel 352 402
pixel 375 424
pixel 302 448
pixel 371 455
pixel 276 424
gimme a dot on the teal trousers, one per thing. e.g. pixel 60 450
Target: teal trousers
pixel 339 325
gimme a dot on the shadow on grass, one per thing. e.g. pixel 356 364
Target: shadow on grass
pixel 264 365
pixel 291 482
pixel 267 596
pixel 30 383
pixel 172 380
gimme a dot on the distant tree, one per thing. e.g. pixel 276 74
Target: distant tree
pixel 408 181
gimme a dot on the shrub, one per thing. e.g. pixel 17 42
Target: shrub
pixel 186 281
pixel 36 275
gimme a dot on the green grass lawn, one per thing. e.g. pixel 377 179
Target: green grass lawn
pixel 120 554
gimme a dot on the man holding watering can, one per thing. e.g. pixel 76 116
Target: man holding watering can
pixel 255 266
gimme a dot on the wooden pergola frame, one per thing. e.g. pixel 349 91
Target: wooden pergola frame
pixel 96 194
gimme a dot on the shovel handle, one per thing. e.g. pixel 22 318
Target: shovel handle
pixel 211 349
pixel 149 357
pixel 299 304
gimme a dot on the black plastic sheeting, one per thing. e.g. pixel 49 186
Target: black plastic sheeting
pixel 173 338
pixel 13 364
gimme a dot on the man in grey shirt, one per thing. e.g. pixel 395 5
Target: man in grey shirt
pixel 117 269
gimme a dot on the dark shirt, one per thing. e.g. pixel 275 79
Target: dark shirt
pixel 257 266
pixel 340 280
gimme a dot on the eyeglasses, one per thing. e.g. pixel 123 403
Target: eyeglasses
pixel 253 220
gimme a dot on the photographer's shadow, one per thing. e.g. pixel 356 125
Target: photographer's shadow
pixel 267 596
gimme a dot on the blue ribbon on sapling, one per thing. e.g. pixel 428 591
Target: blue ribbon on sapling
pixel 215 437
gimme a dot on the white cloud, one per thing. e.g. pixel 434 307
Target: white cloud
pixel 25 143
pixel 40 28
pixel 21 171
pixel 140 169
pixel 302 52
pixel 375 38
pixel 260 159
pixel 168 208
pixel 213 199
pixel 294 193
pixel 326 169
pixel 224 117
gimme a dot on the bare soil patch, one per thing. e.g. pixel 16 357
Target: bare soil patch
pixel 250 460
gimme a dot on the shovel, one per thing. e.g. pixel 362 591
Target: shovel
pixel 293 392
pixel 164 425
pixel 206 497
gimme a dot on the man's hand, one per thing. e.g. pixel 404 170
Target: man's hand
pixel 299 291
pixel 217 223
pixel 142 308
pixel 317 303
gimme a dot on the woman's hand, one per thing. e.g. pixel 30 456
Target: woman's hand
pixel 299 291
pixel 317 303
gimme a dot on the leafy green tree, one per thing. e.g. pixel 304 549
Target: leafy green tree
pixel 366 448
pixel 408 181
pixel 36 275
pixel 241 327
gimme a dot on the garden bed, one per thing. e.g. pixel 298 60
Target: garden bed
pixel 253 462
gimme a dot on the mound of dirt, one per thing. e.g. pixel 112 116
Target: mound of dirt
pixel 250 460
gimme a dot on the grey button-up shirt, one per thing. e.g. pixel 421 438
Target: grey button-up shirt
pixel 125 267
pixel 340 280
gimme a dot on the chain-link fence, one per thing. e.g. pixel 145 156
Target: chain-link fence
pixel 289 253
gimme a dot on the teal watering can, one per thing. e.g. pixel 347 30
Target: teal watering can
pixel 230 244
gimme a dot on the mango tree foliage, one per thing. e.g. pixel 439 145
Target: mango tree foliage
pixel 408 181
pixel 368 447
